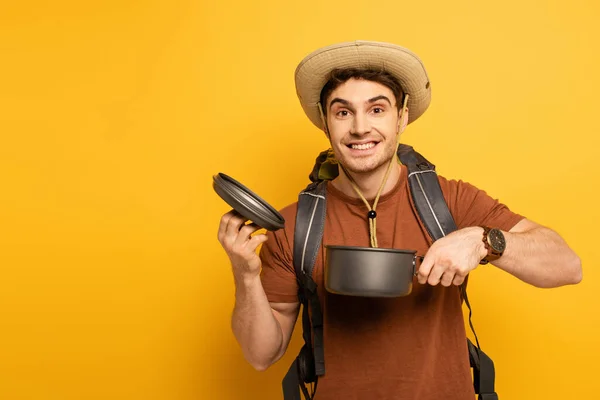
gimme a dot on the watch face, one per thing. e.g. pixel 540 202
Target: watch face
pixel 497 240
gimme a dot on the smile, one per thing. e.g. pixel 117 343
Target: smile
pixel 362 146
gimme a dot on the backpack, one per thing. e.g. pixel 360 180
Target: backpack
pixel 430 206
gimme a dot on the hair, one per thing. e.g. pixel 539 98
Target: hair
pixel 339 76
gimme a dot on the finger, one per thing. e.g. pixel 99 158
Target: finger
pixel 436 274
pixel 424 269
pixel 447 278
pixel 256 241
pixel 245 234
pixel 233 227
pixel 223 225
pixel 458 280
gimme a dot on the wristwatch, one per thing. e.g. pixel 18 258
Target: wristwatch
pixel 495 244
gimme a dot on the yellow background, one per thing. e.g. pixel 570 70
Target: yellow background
pixel 114 116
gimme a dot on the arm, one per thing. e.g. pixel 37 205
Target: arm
pixel 539 256
pixel 534 254
pixel 263 330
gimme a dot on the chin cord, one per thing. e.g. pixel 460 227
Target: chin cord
pixel 372 214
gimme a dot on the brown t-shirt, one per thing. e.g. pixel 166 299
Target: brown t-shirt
pixel 411 347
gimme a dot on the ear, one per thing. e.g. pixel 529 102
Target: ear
pixel 403 120
pixel 326 128
pixel 324 121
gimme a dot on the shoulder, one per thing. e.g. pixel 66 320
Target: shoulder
pixel 457 189
pixel 453 188
pixel 450 184
pixel 471 205
pixel 282 240
pixel 289 212
pixel 289 216
pixel 285 236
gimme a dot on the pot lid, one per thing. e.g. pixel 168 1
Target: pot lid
pixel 247 203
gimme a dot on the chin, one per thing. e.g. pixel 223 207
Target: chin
pixel 362 166
pixel 367 163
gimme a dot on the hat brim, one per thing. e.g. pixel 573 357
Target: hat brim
pixel 314 71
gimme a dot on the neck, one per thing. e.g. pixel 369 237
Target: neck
pixel 368 182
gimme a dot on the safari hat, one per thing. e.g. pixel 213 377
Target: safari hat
pixel 314 70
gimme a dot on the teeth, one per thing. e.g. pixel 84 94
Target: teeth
pixel 363 146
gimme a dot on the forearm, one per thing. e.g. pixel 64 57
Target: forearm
pixel 254 324
pixel 540 257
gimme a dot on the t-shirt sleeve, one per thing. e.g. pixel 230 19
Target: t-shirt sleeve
pixel 278 276
pixel 471 206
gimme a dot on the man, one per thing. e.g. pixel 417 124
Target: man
pixel 363 95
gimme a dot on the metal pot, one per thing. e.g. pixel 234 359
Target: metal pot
pixel 369 272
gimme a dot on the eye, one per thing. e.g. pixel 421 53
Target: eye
pixel 378 110
pixel 342 113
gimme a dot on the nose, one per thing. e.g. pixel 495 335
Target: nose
pixel 360 124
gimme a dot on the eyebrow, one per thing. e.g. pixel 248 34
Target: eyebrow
pixel 371 100
pixel 380 97
pixel 338 100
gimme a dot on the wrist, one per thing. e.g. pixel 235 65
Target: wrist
pixel 480 247
pixel 245 280
pixel 494 243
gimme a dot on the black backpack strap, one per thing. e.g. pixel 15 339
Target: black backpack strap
pixel 484 373
pixel 291 382
pixel 310 223
pixel 433 212
pixel 426 193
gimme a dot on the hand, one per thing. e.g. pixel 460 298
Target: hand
pixel 450 259
pixel 236 238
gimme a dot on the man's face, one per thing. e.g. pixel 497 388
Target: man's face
pixel 362 118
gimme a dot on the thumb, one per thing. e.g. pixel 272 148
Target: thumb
pixel 425 268
pixel 256 241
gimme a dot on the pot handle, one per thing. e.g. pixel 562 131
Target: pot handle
pixel 415 270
